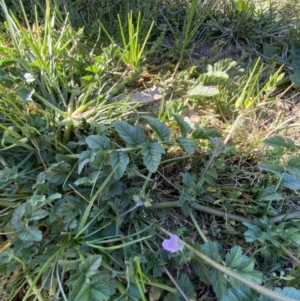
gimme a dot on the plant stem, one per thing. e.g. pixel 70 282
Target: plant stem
pixel 216 212
pixel 33 287
pixel 290 255
pixel 197 226
pixel 280 217
pixel 176 284
pixel 208 164
pixel 173 204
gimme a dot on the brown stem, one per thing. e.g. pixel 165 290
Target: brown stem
pixel 290 255
pixel 238 218
pixel 234 217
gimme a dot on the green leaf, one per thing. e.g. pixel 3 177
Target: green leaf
pixel 158 127
pixel 270 51
pixel 132 135
pixel 16 220
pixel 203 133
pixel 290 182
pixel 202 272
pixel 294 234
pixel 275 168
pixel 152 155
pixel 275 142
pixel 57 173
pixel 253 233
pixel 77 286
pixel 25 94
pixel 83 159
pixel 293 166
pixel 246 269
pixel 90 292
pixel 295 79
pixel 96 143
pixel 90 266
pixel 212 250
pixel 38 214
pixel 121 160
pixel 218 282
pixel 53 197
pixel 234 257
pixel 187 144
pixel 201 91
pixel 31 234
pixel 187 287
pixel 93 68
pixel 239 293
pixel 270 194
pixel 183 125
pixel 290 292
pixel 187 181
pixel 37 199
pixel 87 79
pixel 69 208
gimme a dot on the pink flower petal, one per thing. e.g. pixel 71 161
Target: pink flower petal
pixel 172 244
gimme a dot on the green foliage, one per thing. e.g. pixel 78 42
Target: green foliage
pixel 270 234
pixel 81 176
pixel 209 83
pixel 89 283
pixel 233 259
pixel 243 293
pixel 284 164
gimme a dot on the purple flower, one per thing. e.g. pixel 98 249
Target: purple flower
pixel 217 144
pixel 172 245
pixel 216 141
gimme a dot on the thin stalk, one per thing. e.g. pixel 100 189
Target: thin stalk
pixel 173 204
pixel 290 255
pixel 229 216
pixel 176 284
pixel 197 226
pixel 34 287
pixel 207 166
pixel 71 107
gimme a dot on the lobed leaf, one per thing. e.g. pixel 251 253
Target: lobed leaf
pixel 275 168
pixel 183 125
pixel 290 292
pixel 31 234
pixel 186 285
pixel 275 142
pixel 239 293
pixel 152 155
pixel 293 166
pixel 158 127
pixel 201 91
pixel 84 158
pixel 90 266
pixel 132 135
pixel 218 282
pixel 290 182
pixel 234 257
pixel 96 143
pixel 270 194
pixel 187 144
pixel 119 160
